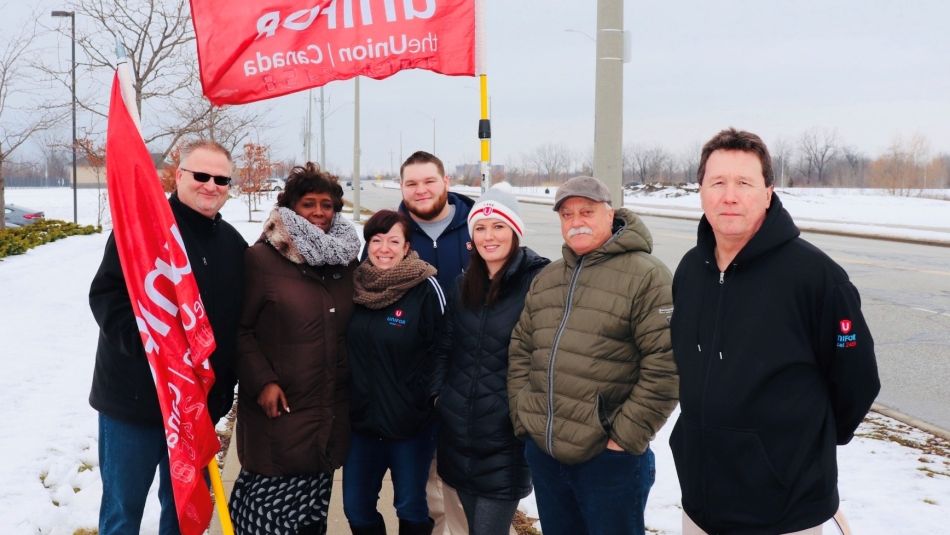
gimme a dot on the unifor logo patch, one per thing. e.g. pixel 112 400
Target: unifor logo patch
pixel 396 319
pixel 488 209
pixel 846 338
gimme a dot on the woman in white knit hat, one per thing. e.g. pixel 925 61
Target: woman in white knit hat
pixel 478 453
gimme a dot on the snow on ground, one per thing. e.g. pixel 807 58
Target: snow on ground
pixel 893 479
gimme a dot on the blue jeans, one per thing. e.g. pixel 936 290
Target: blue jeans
pixel 605 495
pixel 366 463
pixel 128 456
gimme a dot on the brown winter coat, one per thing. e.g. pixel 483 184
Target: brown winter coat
pixel 596 329
pixel 292 332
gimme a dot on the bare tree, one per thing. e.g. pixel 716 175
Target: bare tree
pixel 157 36
pixel 552 161
pixel 782 154
pixel 17 124
pixel 817 148
pixel 197 117
pixel 689 162
pixel 646 164
pixel 853 167
pixel 55 151
pixel 256 169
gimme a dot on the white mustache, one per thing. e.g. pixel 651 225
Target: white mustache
pixel 579 230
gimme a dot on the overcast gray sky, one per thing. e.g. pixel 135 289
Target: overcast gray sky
pixel 871 69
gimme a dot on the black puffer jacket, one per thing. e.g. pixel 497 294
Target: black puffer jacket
pixel 478 452
pixel 122 385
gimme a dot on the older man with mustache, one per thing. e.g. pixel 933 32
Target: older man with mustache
pixel 591 376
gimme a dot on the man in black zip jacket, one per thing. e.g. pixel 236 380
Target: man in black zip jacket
pixel 131 433
pixel 775 359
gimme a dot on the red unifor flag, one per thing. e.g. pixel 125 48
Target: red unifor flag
pixel 175 330
pixel 251 50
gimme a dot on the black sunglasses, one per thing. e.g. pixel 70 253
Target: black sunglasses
pixel 204 177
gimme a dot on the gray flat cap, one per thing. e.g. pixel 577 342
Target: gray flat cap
pixel 582 186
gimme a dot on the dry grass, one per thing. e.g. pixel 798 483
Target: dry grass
pixel 523 524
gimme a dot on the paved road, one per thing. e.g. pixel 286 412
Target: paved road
pixel 905 291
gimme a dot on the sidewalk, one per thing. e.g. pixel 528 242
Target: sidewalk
pixel 336 522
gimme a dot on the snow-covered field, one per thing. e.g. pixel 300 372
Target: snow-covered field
pixel 893 479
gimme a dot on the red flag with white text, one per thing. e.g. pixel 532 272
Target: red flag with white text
pixel 175 330
pixel 251 50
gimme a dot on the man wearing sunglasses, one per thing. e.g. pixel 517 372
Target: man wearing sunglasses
pixel 131 434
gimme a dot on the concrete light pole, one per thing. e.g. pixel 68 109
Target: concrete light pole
pixel 608 98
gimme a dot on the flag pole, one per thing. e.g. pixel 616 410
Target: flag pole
pixel 484 123
pixel 220 500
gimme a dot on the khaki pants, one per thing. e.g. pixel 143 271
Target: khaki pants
pixel 690 528
pixel 444 506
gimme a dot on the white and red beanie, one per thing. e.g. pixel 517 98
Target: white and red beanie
pixel 499 204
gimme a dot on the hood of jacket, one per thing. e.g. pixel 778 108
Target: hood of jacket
pixel 630 235
pixel 777 229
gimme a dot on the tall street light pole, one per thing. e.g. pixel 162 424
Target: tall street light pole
pixel 608 98
pixel 72 18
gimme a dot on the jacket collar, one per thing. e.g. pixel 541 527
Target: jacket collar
pixel 630 235
pixel 777 229
pixel 194 220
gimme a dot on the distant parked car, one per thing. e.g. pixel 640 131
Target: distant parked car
pixel 273 184
pixel 18 216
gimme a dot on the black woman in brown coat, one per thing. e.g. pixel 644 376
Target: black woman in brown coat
pixel 293 405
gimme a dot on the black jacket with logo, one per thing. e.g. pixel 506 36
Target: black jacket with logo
pixel 478 450
pixel 776 368
pixel 122 385
pixel 391 354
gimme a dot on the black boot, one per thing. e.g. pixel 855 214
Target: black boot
pixel 379 528
pixel 319 528
pixel 416 528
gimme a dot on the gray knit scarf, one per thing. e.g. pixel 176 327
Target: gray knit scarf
pixel 302 242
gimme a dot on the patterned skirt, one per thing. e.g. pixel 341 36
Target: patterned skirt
pixel 280 505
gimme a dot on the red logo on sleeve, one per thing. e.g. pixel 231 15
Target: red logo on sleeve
pixel 845 325
pixel 398 313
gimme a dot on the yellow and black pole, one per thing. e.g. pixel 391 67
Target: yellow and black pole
pixel 484 124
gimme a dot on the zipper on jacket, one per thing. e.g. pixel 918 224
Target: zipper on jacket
pixel 435 244
pixel 707 365
pixel 549 429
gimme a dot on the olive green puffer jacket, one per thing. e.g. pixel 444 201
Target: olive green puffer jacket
pixel 590 357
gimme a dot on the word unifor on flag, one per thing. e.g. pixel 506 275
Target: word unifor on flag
pixel 254 50
pixel 175 330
